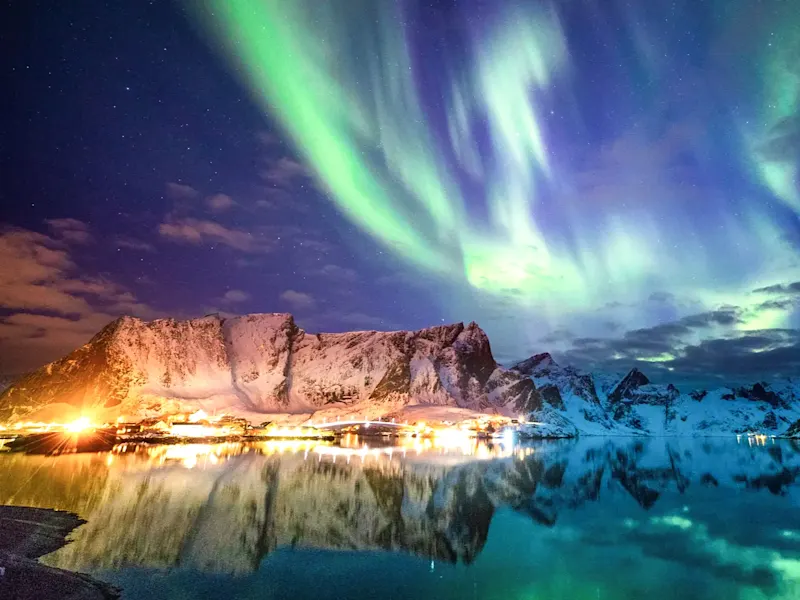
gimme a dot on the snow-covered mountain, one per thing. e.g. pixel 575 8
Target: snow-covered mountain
pixel 264 363
pixel 582 403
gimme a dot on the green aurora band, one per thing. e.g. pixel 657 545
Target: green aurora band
pixel 340 79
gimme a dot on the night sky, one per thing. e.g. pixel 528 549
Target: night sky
pixel 614 182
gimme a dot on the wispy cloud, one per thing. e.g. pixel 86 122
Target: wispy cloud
pixel 220 202
pixel 284 171
pixel 70 230
pixel 298 300
pixel 181 191
pixel 198 231
pixel 51 307
pixel 235 297
pixel 130 243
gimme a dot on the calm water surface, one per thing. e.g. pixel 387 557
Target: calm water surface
pixel 592 518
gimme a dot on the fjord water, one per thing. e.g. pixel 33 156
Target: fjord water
pixel 590 518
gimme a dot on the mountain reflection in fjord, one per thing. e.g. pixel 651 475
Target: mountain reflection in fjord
pixel 589 518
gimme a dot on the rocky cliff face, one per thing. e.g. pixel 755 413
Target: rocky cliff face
pixel 265 363
pixel 570 398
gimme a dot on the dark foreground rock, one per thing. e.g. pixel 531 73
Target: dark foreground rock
pixel 25 535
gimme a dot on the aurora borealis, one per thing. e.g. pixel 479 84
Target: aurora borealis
pixel 490 192
pixel 617 182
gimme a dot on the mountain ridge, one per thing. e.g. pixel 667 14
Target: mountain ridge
pixel 633 405
pixel 264 363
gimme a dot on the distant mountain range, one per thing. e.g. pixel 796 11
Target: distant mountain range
pixel 264 363
pixel 575 403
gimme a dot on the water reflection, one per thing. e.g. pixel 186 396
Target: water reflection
pixel 723 510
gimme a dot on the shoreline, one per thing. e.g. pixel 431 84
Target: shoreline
pixel 28 533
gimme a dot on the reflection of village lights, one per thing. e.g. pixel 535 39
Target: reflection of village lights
pixel 208 455
pixel 508 436
pixel 293 432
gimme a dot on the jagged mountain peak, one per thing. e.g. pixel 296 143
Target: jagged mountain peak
pixel 538 363
pixel 631 382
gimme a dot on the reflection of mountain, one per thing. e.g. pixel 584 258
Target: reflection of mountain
pixel 227 513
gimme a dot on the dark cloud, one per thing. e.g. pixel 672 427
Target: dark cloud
pixel 767 353
pixel 585 342
pixel 557 335
pixel 727 316
pixel 786 304
pixel 780 288
pixel 736 356
pixel 661 297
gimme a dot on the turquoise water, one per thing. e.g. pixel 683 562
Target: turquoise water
pixel 591 518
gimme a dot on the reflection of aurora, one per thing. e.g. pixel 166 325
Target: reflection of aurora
pixel 482 193
pixel 223 507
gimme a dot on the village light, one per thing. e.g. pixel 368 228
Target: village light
pixel 79 425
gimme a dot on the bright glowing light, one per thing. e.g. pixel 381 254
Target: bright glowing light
pixel 294 432
pixel 200 430
pixel 79 425
pixel 197 416
pixel 508 436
